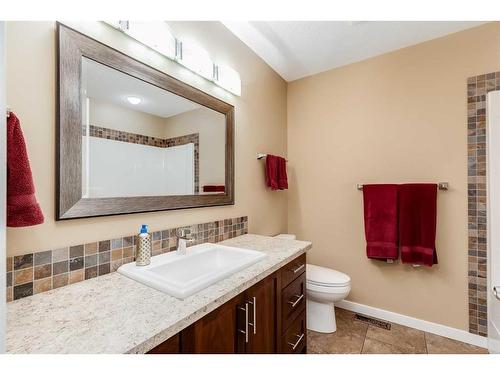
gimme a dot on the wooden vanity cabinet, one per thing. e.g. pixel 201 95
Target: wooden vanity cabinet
pixel 219 332
pixel 262 322
pixel 269 317
pixel 293 331
pixel 171 346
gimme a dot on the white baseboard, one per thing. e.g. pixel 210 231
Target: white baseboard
pixel 408 321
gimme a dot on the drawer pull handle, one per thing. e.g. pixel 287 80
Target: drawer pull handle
pixel 496 291
pixel 253 302
pixel 295 270
pixel 245 332
pixel 294 346
pixel 294 303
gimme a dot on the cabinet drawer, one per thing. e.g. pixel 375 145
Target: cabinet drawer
pixel 292 270
pixel 295 337
pixel 293 300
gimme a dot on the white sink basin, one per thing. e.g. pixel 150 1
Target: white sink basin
pixel 184 275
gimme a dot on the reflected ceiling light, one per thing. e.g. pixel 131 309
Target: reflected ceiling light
pixel 134 100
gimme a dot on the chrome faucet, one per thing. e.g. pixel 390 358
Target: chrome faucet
pixel 183 238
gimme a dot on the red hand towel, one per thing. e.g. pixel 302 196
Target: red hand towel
pixel 381 221
pixel 213 188
pixel 272 172
pixel 22 207
pixel 282 177
pixel 276 177
pixel 417 223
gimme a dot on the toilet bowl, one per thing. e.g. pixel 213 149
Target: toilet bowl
pixel 324 287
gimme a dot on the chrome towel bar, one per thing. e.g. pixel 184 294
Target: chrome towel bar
pixel 262 156
pixel 441 186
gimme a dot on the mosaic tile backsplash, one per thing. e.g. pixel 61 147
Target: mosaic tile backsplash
pixel 477 88
pixel 39 272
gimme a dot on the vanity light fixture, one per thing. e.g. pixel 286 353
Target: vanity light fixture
pixel 195 58
pixel 156 35
pixel 134 100
pixel 153 34
pixel 227 78
pixel 120 25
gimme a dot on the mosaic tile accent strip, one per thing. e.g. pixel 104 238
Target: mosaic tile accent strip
pixel 182 140
pixel 122 136
pixel 477 88
pixel 39 272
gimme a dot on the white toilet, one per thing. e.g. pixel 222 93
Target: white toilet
pixel 324 287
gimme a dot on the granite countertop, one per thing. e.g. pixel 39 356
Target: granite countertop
pixel 115 314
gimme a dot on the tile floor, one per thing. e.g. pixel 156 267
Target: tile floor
pixel 355 337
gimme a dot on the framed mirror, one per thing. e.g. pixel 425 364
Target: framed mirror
pixel 133 139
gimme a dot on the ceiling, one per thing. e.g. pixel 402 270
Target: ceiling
pixel 296 49
pixel 104 83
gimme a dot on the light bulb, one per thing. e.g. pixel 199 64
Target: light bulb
pixel 134 100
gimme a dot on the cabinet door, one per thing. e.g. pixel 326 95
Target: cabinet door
pixel 262 326
pixel 171 346
pixel 218 332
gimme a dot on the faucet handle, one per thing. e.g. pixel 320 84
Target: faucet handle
pixel 183 232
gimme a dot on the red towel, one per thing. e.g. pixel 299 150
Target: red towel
pixel 282 177
pixel 272 171
pixel 417 223
pixel 213 188
pixel 22 207
pixel 276 177
pixel 381 221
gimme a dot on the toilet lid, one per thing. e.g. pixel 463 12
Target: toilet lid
pixel 326 276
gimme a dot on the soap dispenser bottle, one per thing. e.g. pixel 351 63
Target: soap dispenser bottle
pixel 143 257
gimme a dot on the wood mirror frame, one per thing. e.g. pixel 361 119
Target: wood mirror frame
pixel 71 47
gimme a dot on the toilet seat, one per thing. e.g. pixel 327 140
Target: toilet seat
pixel 328 285
pixel 330 289
pixel 323 278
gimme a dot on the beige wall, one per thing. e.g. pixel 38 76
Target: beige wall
pixel 211 127
pixel 108 115
pixel 260 119
pixel 394 118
